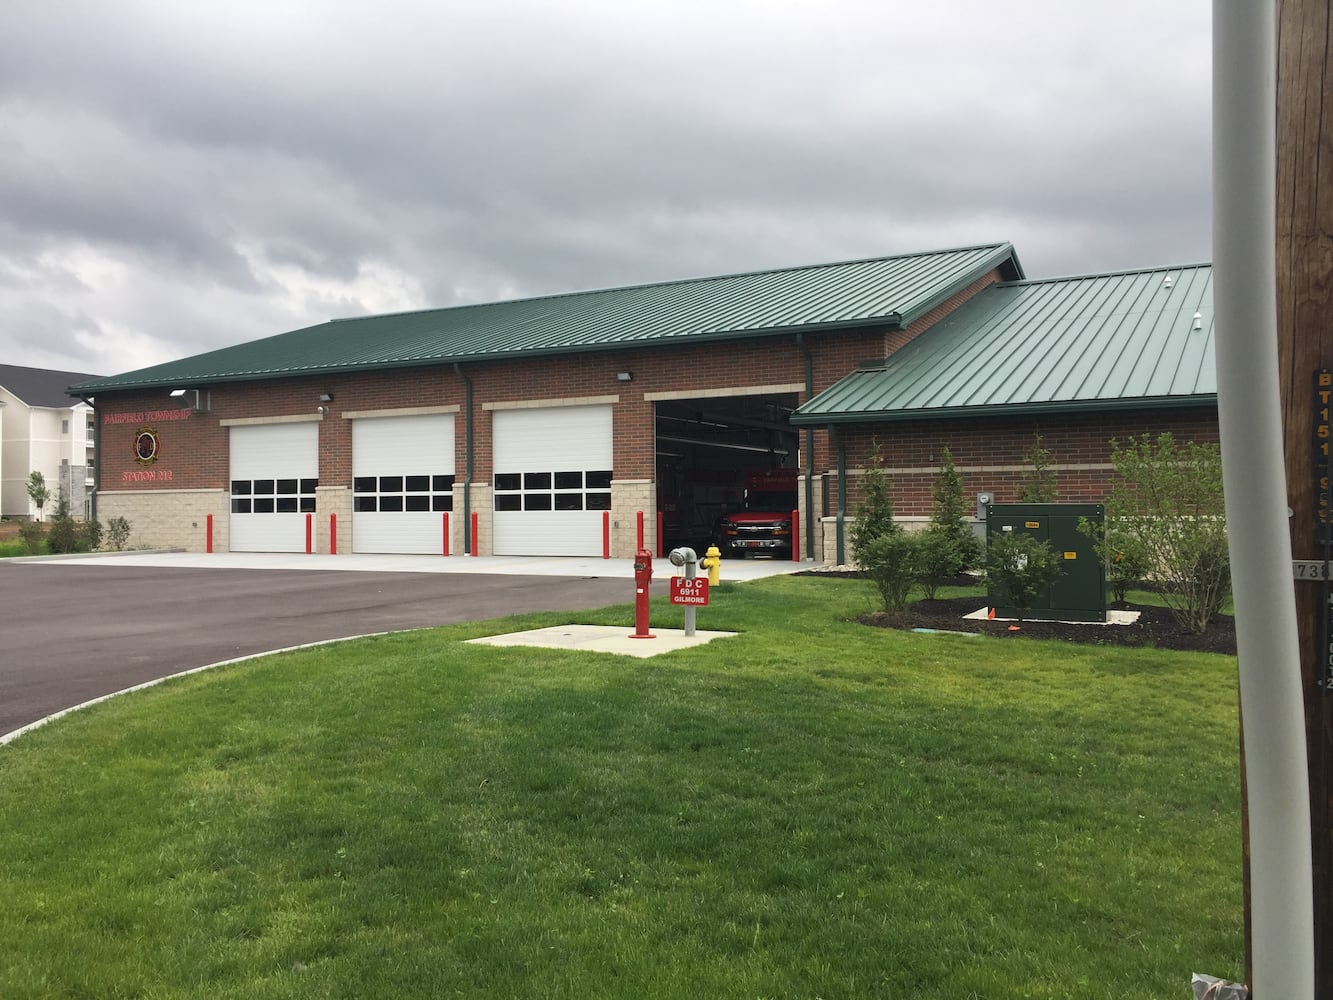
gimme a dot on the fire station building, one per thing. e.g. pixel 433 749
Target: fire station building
pixel 545 426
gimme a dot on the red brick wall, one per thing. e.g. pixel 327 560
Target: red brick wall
pixel 195 450
pixel 989 452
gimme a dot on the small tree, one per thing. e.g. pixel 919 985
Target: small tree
pixel 1020 566
pixel 886 553
pixel 38 492
pixel 874 517
pixel 1039 479
pixel 949 513
pixel 1168 497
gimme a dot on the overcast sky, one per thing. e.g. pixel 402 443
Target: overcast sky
pixel 179 176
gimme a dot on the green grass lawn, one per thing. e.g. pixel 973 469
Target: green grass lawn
pixel 810 809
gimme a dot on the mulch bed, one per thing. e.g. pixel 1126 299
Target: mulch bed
pixel 1155 626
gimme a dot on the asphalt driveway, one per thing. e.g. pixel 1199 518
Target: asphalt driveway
pixel 77 630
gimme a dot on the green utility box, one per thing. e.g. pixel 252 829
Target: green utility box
pixel 1079 595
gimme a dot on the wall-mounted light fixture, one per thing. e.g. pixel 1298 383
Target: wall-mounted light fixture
pixel 323 411
pixel 326 397
pixel 624 376
pixel 191 399
pixel 1198 321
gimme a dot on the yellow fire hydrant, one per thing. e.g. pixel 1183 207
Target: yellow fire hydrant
pixel 712 561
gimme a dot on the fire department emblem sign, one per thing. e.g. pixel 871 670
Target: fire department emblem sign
pixel 145 446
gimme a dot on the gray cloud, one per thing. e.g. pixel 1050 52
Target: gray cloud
pixel 174 178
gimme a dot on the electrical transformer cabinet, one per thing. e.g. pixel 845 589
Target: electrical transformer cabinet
pixel 1080 594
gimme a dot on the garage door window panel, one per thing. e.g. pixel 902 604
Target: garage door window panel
pixel 563 491
pixel 273 496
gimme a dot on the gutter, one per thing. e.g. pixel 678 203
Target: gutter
pixel 841 548
pixel 469 543
pixel 809 451
pixel 816 419
pixel 97 451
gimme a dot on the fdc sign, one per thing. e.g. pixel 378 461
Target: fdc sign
pixel 691 592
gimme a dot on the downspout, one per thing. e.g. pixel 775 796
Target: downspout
pixel 97 453
pixel 809 452
pixel 842 495
pixel 469 543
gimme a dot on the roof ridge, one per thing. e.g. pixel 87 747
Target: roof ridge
pixel 697 280
pixel 1106 274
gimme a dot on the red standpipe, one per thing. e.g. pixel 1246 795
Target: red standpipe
pixel 643 576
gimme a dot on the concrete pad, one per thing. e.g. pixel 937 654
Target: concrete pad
pixel 604 639
pixel 1113 617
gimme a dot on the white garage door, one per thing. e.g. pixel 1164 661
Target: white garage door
pixel 274 472
pixel 402 482
pixel 552 480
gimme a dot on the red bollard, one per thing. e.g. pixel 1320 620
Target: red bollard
pixel 795 536
pixel 643 576
pixel 333 534
pixel 309 533
pixel 661 541
pixel 606 534
pixel 638 531
pixel 474 534
pixel 445 530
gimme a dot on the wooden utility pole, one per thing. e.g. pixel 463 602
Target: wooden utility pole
pixel 1305 348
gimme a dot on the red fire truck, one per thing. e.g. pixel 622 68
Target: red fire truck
pixel 764 525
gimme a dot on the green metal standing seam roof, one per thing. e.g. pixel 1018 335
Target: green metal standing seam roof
pixel 886 291
pixel 1094 342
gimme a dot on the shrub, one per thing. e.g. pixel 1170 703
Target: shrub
pixel 892 561
pixel 63 536
pixel 1020 566
pixel 92 535
pixel 1169 497
pixel 937 560
pixel 32 534
pixel 117 533
pixel 1123 555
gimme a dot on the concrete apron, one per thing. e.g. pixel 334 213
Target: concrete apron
pixel 733 570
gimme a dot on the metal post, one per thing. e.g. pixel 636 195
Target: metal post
pixel 1254 476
